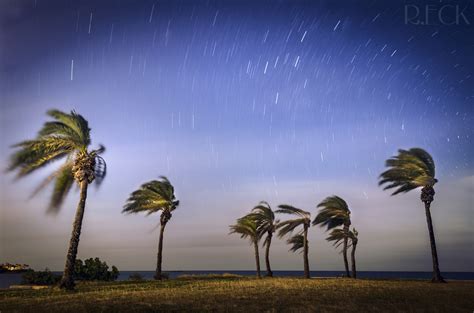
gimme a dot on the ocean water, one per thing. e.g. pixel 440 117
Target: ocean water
pixel 14 279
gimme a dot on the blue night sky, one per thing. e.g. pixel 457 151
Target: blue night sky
pixel 237 102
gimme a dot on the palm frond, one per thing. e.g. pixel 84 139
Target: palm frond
pixel 100 170
pixel 66 136
pixel 246 227
pixel 64 180
pixel 35 154
pixel 288 209
pixel 338 235
pixel 264 217
pixel 75 122
pixel 334 212
pixel 152 196
pixel 408 170
pixel 297 242
pixel 288 226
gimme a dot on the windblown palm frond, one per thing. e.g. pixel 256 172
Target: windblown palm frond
pixel 246 227
pixel 297 242
pixel 289 226
pixel 100 170
pixel 334 212
pixel 265 219
pixel 408 170
pixel 67 136
pixel 288 209
pixel 338 235
pixel 151 197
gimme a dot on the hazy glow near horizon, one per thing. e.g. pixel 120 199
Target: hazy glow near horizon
pixel 236 103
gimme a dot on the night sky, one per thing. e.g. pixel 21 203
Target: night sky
pixel 237 102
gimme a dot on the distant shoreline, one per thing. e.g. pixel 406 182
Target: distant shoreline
pixel 7 279
pixel 12 272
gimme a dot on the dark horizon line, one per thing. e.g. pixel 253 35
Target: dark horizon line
pixel 127 270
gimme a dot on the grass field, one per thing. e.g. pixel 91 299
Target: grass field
pixel 232 294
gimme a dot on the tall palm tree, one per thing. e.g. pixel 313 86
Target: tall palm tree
pixel 335 212
pixel 303 218
pixel 67 137
pixel 339 236
pixel 408 170
pixel 154 196
pixel 266 225
pixel 246 227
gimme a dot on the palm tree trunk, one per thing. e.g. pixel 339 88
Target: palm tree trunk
pixel 267 256
pixel 306 261
pixel 344 251
pixel 257 258
pixel 67 281
pixel 353 259
pixel 160 253
pixel 437 278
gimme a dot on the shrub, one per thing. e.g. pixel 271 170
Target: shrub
pixel 94 269
pixel 136 277
pixel 46 277
pixel 209 276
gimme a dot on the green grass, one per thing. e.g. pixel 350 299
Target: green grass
pixel 234 294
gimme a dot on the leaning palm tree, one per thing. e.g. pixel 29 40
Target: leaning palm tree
pixel 266 225
pixel 66 137
pixel 303 218
pixel 246 227
pixel 408 170
pixel 339 236
pixel 154 196
pixel 335 212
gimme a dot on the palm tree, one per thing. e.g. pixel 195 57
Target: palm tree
pixel 266 224
pixel 335 212
pixel 303 218
pixel 154 196
pixel 66 137
pixel 408 170
pixel 339 236
pixel 247 228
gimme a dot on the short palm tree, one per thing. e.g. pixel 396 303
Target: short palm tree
pixel 408 170
pixel 66 137
pixel 154 196
pixel 246 227
pixel 303 218
pixel 335 212
pixel 339 236
pixel 266 225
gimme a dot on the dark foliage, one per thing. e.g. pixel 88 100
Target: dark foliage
pixel 45 277
pixel 94 269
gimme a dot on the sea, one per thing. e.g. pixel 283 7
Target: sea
pixel 8 279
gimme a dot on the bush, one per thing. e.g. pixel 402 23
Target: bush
pixel 136 277
pixel 94 269
pixel 209 276
pixel 45 277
